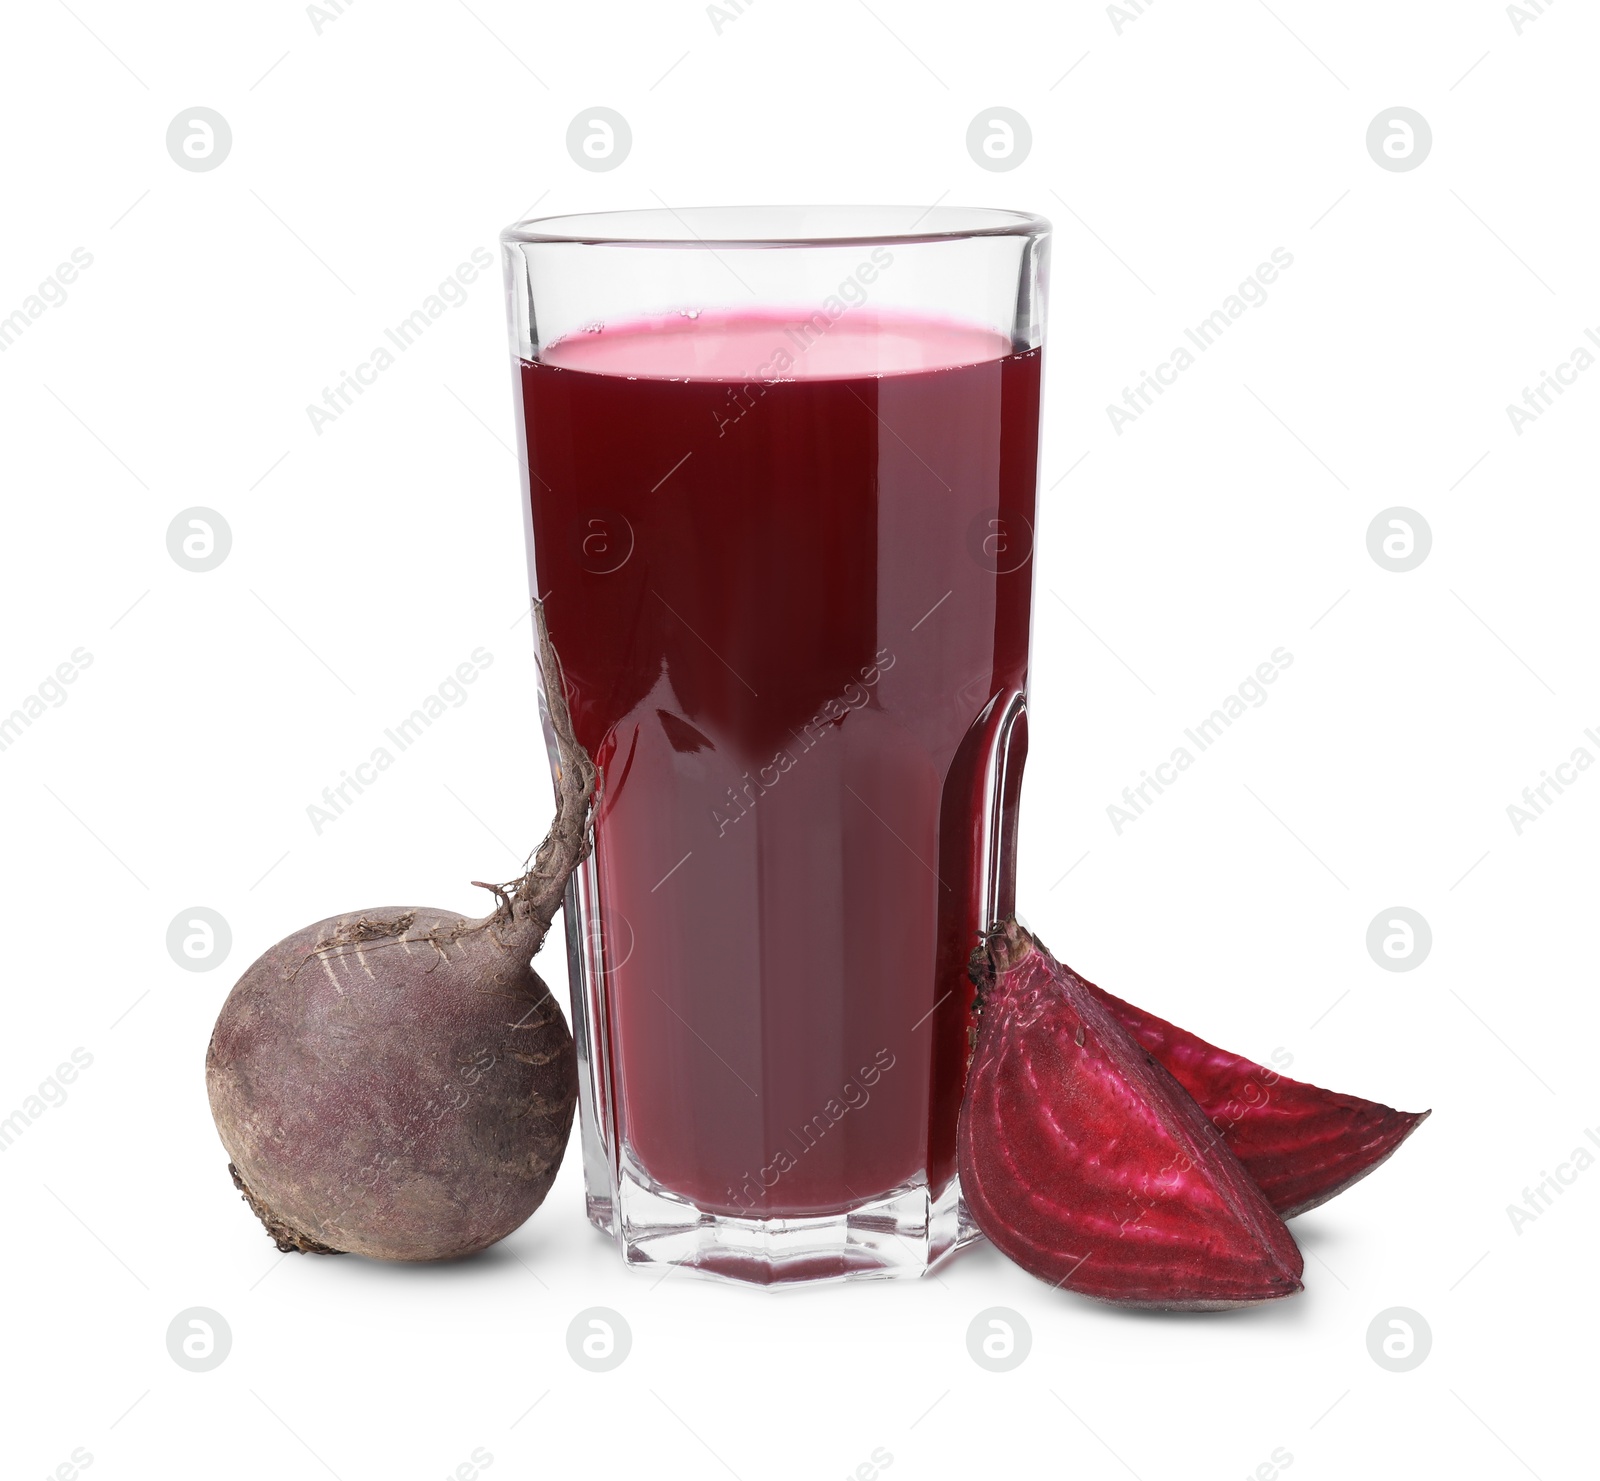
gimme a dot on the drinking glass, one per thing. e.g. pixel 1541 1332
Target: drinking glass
pixel 779 478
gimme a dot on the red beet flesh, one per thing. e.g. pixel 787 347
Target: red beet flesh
pixel 1087 1163
pixel 1301 1144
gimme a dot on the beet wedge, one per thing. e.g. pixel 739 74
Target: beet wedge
pixel 1300 1143
pixel 1085 1161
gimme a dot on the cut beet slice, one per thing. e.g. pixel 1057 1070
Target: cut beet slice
pixel 1087 1163
pixel 1300 1143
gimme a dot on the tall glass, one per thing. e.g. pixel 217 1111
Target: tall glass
pixel 780 471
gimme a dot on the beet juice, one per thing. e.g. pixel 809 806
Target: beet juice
pixel 787 566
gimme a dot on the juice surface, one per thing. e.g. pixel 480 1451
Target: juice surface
pixel 787 568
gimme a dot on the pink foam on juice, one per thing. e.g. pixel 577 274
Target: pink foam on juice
pixel 773 345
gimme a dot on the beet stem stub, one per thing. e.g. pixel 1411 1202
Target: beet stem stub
pixel 1087 1163
pixel 566 846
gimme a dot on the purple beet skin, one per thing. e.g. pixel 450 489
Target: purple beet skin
pixel 385 1090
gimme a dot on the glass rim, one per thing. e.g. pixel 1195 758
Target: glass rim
pixel 759 228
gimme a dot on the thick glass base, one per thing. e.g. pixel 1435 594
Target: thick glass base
pixel 904 1233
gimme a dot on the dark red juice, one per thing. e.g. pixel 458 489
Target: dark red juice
pixel 791 594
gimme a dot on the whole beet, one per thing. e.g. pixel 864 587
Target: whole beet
pixel 399 1082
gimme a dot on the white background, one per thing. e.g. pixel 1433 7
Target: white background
pixel 372 158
